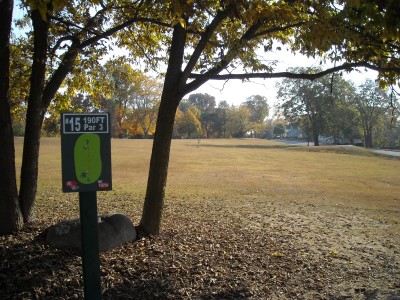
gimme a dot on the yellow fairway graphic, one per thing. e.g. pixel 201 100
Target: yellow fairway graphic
pixel 87 158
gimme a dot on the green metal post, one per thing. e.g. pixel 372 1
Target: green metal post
pixel 90 245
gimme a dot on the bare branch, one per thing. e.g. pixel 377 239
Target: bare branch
pixel 68 23
pixel 345 66
pixel 225 60
pixel 276 29
pixel 123 25
pixel 205 37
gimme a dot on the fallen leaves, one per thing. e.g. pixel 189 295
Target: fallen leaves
pixel 277 254
pixel 208 250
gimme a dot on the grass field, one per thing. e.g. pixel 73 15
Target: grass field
pixel 248 169
pixel 243 219
pixel 241 170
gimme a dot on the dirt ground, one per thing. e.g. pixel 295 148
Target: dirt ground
pixel 224 249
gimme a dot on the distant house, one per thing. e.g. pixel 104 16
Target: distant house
pixel 327 140
pixel 293 132
pixel 330 140
pixel 358 142
pixel 342 141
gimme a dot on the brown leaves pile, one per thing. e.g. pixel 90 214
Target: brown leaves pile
pixel 208 250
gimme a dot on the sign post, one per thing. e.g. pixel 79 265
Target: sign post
pixel 90 245
pixel 86 168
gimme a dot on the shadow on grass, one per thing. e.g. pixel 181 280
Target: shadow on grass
pixel 283 146
pixel 349 150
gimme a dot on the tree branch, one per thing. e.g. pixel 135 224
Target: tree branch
pixel 205 37
pixel 250 34
pixel 70 55
pixel 225 61
pixel 59 41
pixel 68 23
pixel 123 25
pixel 345 66
pixel 276 29
pixel 59 75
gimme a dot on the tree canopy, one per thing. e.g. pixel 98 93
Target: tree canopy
pixel 312 103
pixel 371 103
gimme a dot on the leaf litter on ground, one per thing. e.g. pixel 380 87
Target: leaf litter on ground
pixel 212 249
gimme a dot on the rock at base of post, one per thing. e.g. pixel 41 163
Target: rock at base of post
pixel 114 230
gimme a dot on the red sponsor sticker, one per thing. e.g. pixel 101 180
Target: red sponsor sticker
pixel 72 184
pixel 102 184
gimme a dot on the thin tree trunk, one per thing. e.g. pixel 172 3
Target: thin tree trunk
pixel 171 96
pixel 30 162
pixel 316 140
pixel 315 133
pixel 40 98
pixel 368 138
pixel 316 137
pixel 157 180
pixel 175 88
pixel 34 119
pixel 59 75
pixel 10 213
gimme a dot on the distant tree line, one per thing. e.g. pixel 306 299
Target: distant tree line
pixel 331 106
pixel 199 116
pixel 328 106
pixel 132 99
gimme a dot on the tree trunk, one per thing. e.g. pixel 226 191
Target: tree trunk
pixel 315 132
pixel 39 100
pixel 10 213
pixel 170 98
pixel 30 162
pixel 34 119
pixel 157 180
pixel 368 138
pixel 316 138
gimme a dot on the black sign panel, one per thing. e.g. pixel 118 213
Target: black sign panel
pixel 86 152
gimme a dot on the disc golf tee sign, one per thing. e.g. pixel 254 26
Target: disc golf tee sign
pixel 86 152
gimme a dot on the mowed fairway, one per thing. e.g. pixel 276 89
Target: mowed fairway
pixel 244 218
pixel 245 169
